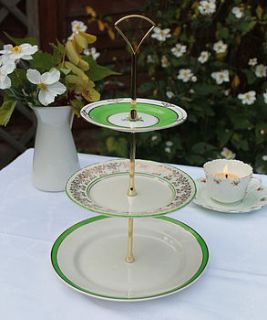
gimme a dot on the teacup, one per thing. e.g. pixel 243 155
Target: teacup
pixel 228 180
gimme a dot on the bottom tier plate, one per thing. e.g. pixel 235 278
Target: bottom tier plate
pixel 90 257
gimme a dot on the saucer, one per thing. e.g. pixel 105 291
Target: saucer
pixel 255 199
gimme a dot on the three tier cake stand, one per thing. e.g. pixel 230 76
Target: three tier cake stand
pixel 121 258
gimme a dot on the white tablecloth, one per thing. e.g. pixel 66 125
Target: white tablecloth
pixel 234 285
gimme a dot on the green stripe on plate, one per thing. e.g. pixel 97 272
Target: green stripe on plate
pixel 64 235
pixel 100 114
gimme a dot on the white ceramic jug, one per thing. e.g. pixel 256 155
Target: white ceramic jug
pixel 55 156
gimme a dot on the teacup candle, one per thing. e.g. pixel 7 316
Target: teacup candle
pixel 227 180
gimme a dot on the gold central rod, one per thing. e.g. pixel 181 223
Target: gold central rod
pixel 131 189
pixel 132 118
pixel 130 257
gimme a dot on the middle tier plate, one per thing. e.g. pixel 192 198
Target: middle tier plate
pixel 102 188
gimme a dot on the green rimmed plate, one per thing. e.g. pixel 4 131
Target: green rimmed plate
pixel 114 114
pixel 102 188
pixel 169 256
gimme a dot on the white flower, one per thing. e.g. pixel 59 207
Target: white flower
pixel 178 50
pixel 227 154
pixel 78 26
pixel 226 92
pixel 167 150
pixel 169 94
pixel 237 12
pixel 91 52
pixel 265 97
pixel 23 51
pixel 5 69
pixel 220 47
pixel 221 76
pixel 207 7
pixel 185 75
pixel 247 97
pixel 252 62
pixel 47 83
pixel 164 62
pixel 194 79
pixel 154 138
pixel 150 59
pixel 264 158
pixel 161 34
pixel 169 143
pixel 261 71
pixel 204 56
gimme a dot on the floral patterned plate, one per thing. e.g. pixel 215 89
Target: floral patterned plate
pixel 102 188
pixel 255 199
pixel 152 115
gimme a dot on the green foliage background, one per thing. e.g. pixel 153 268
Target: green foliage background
pixel 215 120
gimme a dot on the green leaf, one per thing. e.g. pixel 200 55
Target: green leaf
pixel 202 148
pixel 240 121
pixel 223 135
pixel 76 106
pixel 42 61
pixel 6 111
pixel 205 89
pixel 239 142
pixel 118 146
pixel 246 27
pixel 58 52
pixel 97 72
pixel 18 41
pixel 250 75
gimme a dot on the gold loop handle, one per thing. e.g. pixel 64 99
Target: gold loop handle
pixel 134 51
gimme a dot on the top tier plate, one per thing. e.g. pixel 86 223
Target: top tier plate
pixel 114 114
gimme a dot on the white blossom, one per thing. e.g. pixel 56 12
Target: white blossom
pixel 164 62
pixel 150 59
pixel 220 47
pixel 264 158
pixel 5 70
pixel 207 7
pixel 185 75
pixel 154 138
pixel 194 79
pixel 178 50
pixel 23 51
pixel 169 143
pixel 78 26
pixel 265 97
pixel 221 76
pixel 247 97
pixel 167 149
pixel 169 94
pixel 252 62
pixel 91 52
pixel 226 92
pixel 204 56
pixel 47 83
pixel 237 12
pixel 227 154
pixel 161 34
pixel 261 71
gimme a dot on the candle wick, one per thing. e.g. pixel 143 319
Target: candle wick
pixel 226 176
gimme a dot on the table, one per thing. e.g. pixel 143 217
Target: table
pixel 234 285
